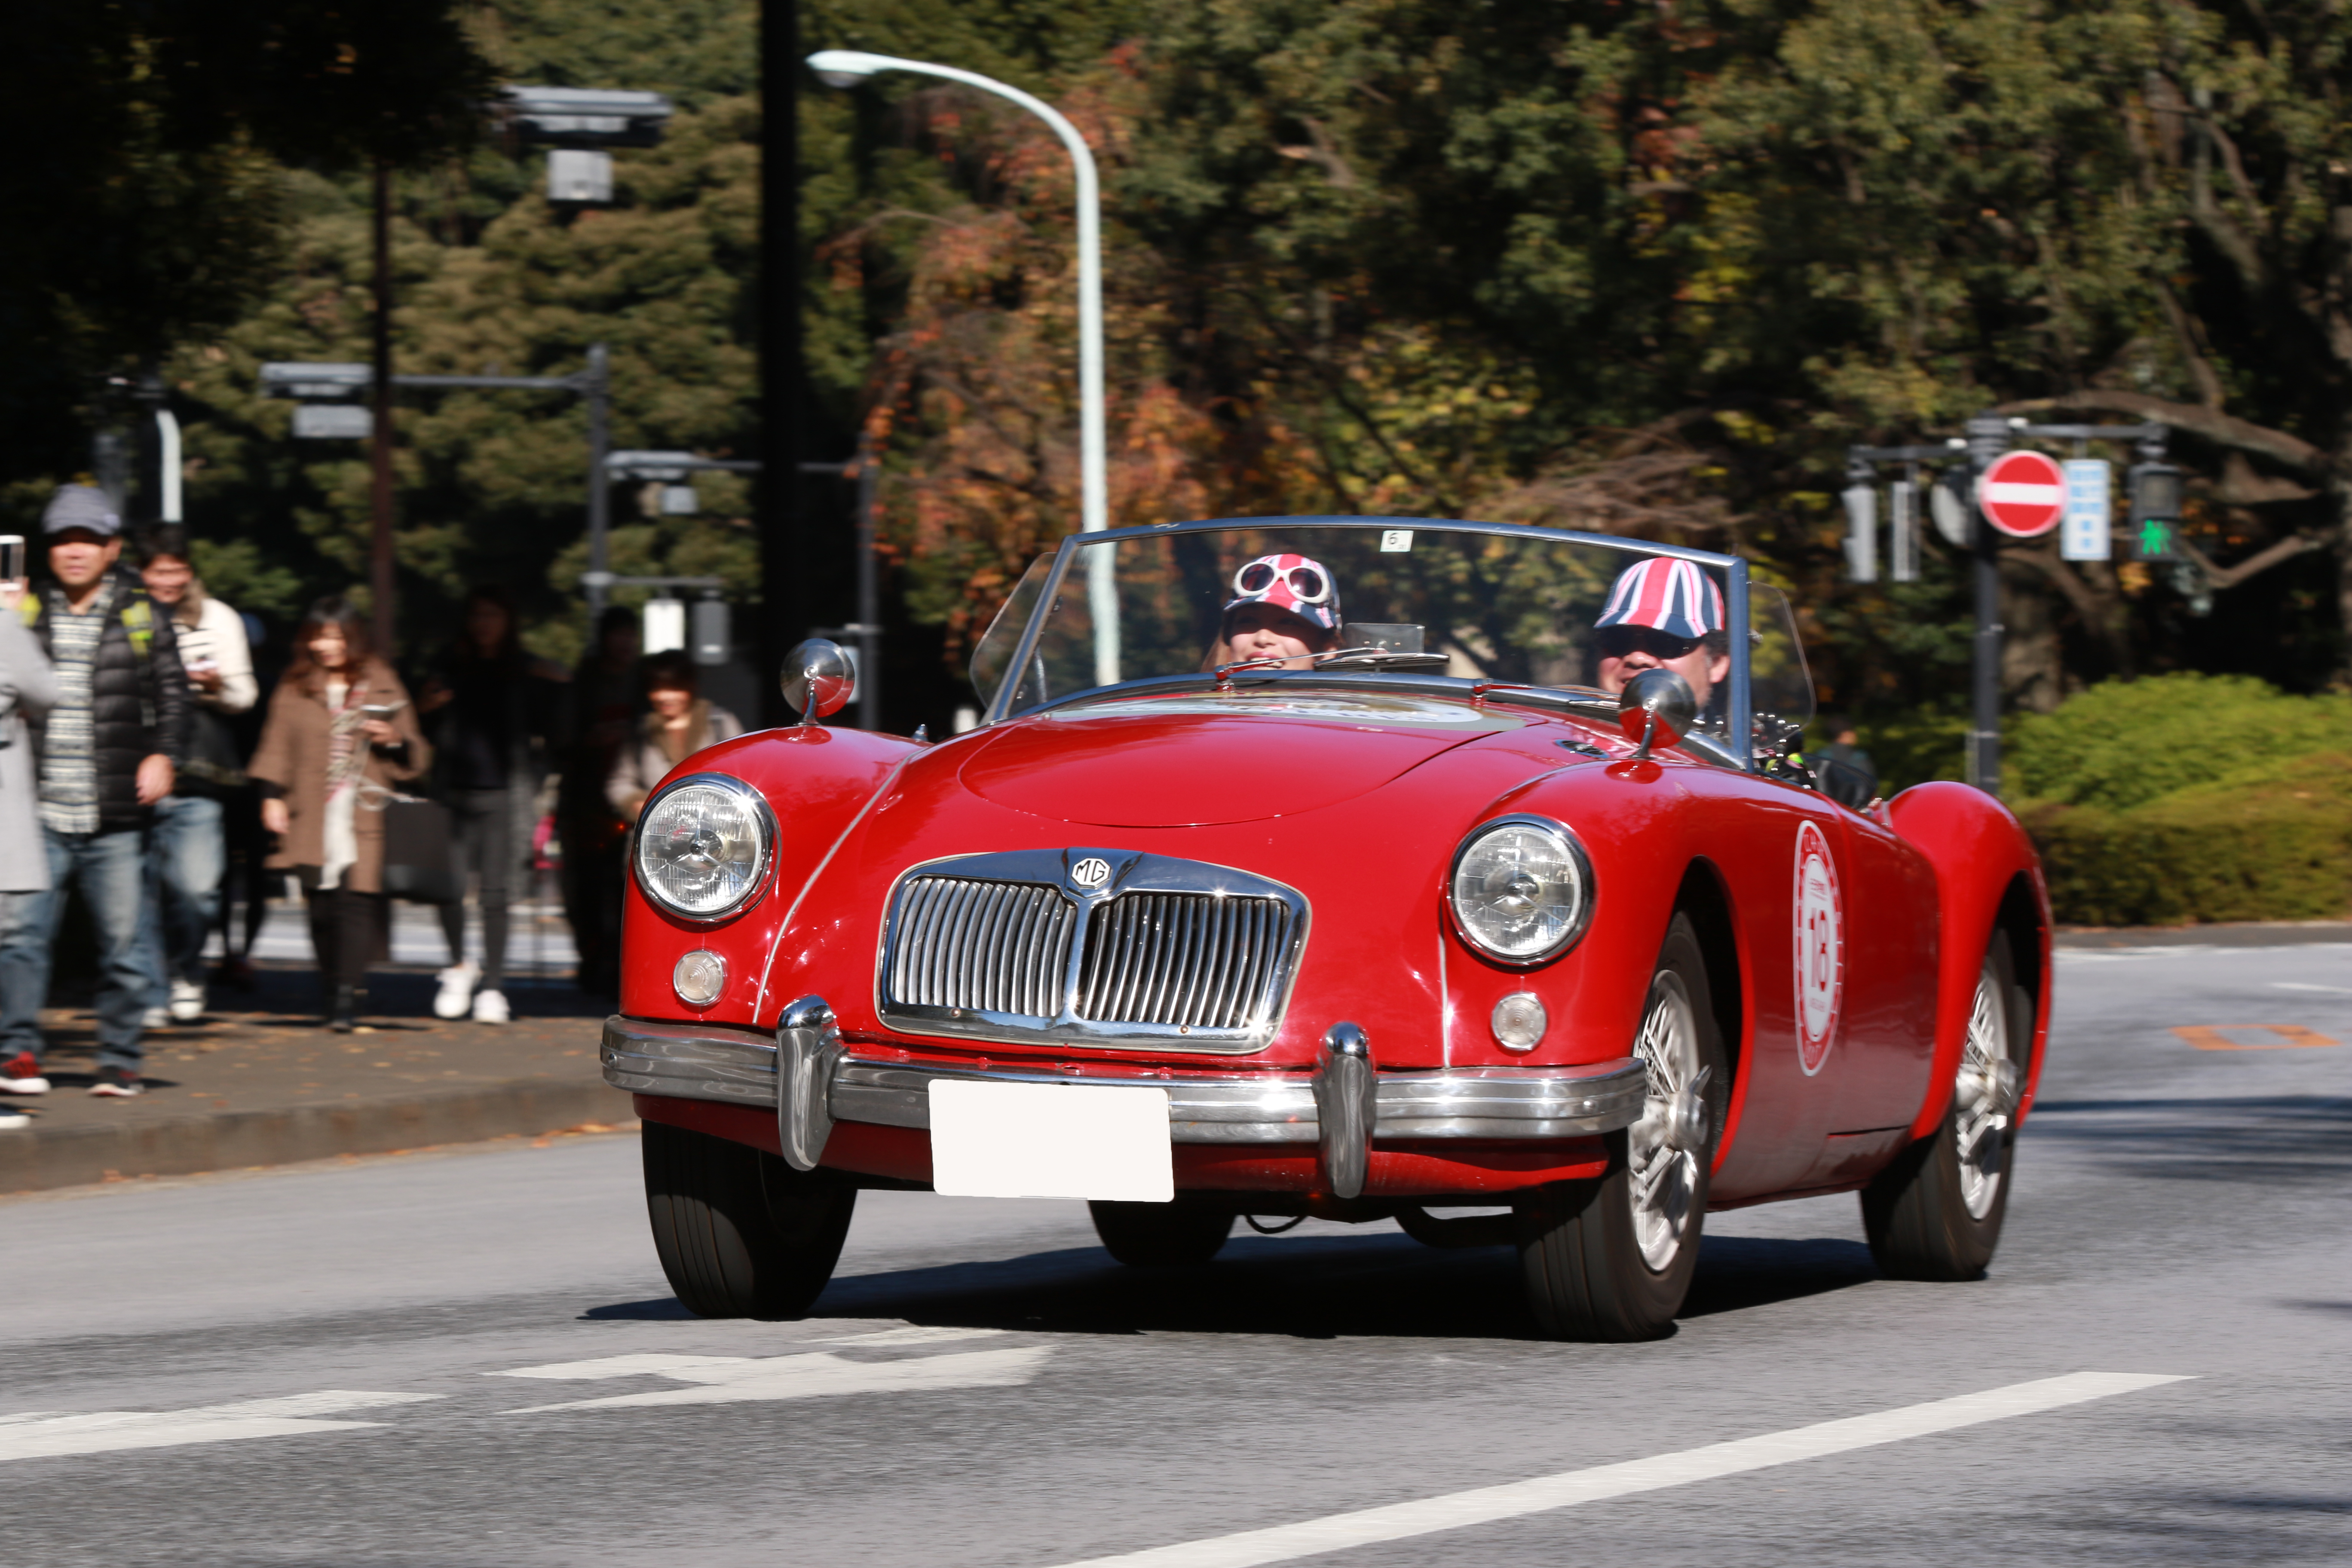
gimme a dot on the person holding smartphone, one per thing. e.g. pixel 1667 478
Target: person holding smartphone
pixel 186 849
pixel 341 734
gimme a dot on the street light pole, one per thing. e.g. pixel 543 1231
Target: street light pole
pixel 845 68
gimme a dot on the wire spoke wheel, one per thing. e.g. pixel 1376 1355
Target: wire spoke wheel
pixel 1611 1257
pixel 1664 1177
pixel 1935 1212
pixel 1984 1098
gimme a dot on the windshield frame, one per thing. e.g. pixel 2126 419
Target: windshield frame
pixel 1739 711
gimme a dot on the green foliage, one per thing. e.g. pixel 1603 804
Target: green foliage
pixel 2273 847
pixel 2123 743
pixel 234 571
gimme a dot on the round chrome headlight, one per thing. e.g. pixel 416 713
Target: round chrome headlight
pixel 703 845
pixel 1521 889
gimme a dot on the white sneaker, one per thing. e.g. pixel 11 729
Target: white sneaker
pixel 457 990
pixel 187 1001
pixel 9 1118
pixel 155 1018
pixel 490 1008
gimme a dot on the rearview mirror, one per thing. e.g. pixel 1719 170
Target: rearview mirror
pixel 818 679
pixel 1657 708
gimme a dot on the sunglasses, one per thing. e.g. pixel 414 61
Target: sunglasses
pixel 1306 585
pixel 1618 641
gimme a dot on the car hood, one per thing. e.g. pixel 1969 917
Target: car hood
pixel 1209 758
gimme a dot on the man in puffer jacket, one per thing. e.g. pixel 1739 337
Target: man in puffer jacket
pixel 108 751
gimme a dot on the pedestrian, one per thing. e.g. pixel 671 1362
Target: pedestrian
pixel 27 687
pixel 108 750
pixel 186 849
pixel 341 733
pixel 1847 774
pixel 680 724
pixel 491 705
pixel 605 700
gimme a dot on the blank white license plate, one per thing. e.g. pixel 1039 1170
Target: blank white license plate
pixel 1051 1140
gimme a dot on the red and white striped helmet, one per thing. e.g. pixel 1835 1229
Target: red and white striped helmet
pixel 1298 584
pixel 1671 597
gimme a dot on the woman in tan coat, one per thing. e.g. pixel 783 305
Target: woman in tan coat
pixel 341 734
pixel 680 724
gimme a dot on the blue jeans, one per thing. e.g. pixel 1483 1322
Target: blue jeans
pixel 110 868
pixel 186 857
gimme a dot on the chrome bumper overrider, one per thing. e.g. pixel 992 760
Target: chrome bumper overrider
pixel 737 1067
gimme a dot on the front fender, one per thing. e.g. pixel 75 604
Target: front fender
pixel 818 782
pixel 1980 852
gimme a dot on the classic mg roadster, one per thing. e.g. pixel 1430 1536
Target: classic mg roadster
pixel 1362 868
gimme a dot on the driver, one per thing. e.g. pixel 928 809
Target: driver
pixel 1663 613
pixel 1288 608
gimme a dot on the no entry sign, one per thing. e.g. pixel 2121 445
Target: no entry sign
pixel 2024 494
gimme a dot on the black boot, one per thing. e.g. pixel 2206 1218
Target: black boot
pixel 343 1013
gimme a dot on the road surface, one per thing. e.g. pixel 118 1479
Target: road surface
pixel 470 1358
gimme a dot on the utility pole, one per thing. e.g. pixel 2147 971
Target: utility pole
pixel 793 561
pixel 1987 440
pixel 596 387
pixel 380 579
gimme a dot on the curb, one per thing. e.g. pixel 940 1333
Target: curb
pixel 35 1161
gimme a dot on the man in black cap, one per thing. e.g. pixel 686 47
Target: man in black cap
pixel 108 751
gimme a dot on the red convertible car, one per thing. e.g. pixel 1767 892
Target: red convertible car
pixel 1362 868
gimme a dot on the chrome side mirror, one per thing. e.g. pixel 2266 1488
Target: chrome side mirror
pixel 1657 708
pixel 818 679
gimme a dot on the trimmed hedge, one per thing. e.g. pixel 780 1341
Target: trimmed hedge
pixel 2270 844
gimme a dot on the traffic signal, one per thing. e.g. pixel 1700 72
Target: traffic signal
pixel 2154 531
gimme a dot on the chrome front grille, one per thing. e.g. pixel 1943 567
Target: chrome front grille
pixel 1082 946
pixel 989 947
pixel 1190 961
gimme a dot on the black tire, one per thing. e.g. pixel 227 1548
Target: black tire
pixel 1580 1252
pixel 1916 1212
pixel 1162 1235
pixel 739 1233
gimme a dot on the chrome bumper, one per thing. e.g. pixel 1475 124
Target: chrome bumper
pixel 737 1067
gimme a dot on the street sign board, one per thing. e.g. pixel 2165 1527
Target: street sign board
pixel 333 422
pixel 2022 494
pixel 2090 510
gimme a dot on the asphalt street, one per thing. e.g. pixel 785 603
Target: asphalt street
pixel 470 1358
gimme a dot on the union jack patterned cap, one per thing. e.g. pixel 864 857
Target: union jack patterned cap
pixel 1671 597
pixel 1298 584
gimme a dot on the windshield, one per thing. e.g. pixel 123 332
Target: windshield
pixel 1340 599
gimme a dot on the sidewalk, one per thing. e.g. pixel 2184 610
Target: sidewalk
pixel 261 1082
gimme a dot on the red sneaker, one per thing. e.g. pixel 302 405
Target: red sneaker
pixel 116 1083
pixel 20 1074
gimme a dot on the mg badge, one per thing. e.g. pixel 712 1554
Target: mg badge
pixel 1091 872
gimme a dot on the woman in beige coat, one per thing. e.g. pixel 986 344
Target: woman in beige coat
pixel 680 724
pixel 340 735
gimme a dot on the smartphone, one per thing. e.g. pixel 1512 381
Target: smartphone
pixel 12 557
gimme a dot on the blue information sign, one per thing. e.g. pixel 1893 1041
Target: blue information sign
pixel 2083 533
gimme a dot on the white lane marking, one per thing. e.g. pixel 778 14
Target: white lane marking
pixel 912 1334
pixel 1396 1522
pixel 35 1435
pixel 620 1366
pixel 2307 986
pixel 818 1375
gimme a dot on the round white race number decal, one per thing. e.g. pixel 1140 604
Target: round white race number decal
pixel 1821 948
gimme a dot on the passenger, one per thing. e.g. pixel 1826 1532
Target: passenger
pixel 1288 609
pixel 1663 613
